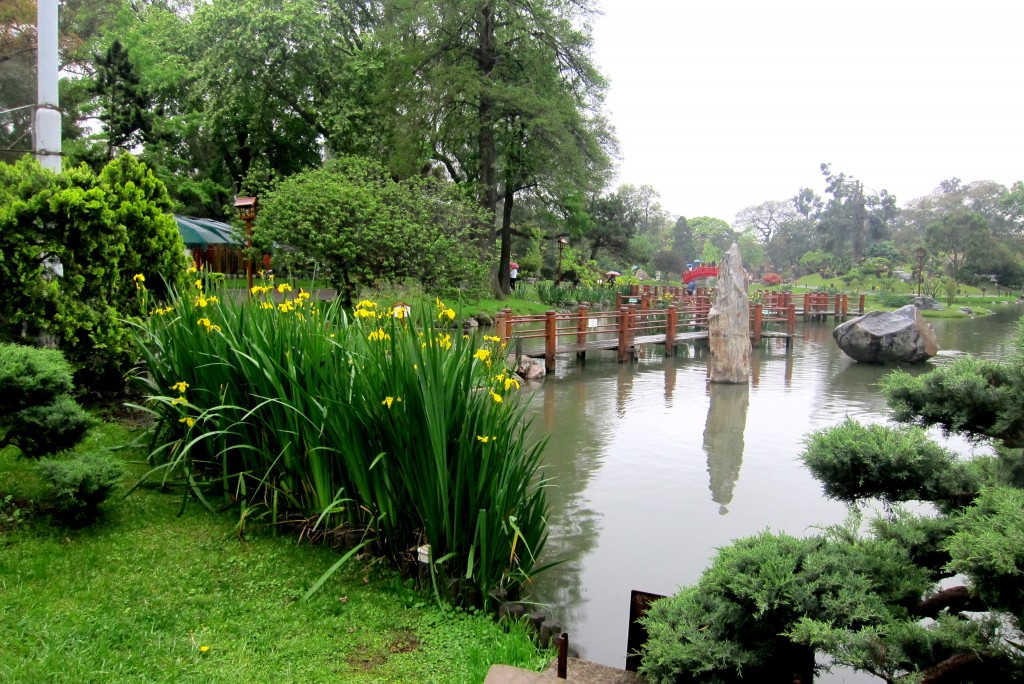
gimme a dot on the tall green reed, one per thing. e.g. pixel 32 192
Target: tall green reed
pixel 402 428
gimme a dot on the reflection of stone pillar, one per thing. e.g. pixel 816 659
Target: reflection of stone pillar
pixel 723 440
pixel 729 322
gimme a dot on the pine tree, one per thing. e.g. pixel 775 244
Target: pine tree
pixel 124 104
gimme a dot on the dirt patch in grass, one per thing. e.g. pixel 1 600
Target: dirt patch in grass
pixel 368 658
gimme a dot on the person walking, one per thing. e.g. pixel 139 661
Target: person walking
pixel 513 273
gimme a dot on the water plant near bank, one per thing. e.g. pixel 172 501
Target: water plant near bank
pixel 382 422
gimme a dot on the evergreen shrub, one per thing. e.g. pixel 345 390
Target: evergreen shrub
pixel 78 486
pixel 37 413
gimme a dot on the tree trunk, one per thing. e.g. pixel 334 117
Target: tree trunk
pixel 506 241
pixel 486 59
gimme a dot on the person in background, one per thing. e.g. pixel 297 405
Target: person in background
pixel 513 273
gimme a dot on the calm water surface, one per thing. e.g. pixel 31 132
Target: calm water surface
pixel 655 468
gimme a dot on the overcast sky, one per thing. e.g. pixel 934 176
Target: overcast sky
pixel 724 104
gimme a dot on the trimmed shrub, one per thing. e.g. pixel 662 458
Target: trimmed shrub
pixel 78 486
pixel 30 376
pixel 47 429
pixel 37 412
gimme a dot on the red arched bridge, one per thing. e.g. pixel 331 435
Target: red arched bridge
pixel 700 272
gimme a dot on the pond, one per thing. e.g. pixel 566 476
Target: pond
pixel 655 468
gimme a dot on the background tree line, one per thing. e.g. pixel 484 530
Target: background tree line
pixel 500 97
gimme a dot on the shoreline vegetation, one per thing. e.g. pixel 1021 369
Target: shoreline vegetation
pixel 527 300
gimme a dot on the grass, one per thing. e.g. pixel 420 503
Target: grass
pixel 138 596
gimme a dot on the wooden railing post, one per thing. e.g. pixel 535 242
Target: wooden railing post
pixel 549 340
pixel 623 333
pixel 581 331
pixel 671 317
pixel 860 308
pixel 618 300
pixel 758 320
pixel 845 304
pixel 807 305
pixel 836 306
pixel 506 329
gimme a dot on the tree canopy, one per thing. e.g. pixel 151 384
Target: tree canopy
pixel 355 225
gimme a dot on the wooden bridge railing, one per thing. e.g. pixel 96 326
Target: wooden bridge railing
pixel 823 304
pixel 568 332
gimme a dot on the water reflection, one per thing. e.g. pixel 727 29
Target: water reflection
pixel 634 449
pixel 723 439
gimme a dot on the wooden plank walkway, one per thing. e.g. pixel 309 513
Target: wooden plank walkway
pixel 613 344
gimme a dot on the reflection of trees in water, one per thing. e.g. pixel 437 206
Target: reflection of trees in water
pixel 578 413
pixel 723 440
pixel 570 460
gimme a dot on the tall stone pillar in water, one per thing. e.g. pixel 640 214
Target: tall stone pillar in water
pixel 729 323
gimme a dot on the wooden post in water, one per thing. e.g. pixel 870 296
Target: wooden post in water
pixel 790 324
pixel 671 318
pixel 581 331
pixel 549 340
pixel 623 333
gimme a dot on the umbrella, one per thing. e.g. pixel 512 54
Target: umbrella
pixel 612 273
pixel 513 264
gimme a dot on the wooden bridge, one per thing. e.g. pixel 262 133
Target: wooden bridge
pixel 667 320
pixel 810 305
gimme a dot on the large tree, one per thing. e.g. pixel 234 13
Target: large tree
pixel 504 96
pixel 17 77
pixel 850 217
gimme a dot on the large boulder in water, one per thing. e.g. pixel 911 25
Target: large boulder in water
pixel 886 336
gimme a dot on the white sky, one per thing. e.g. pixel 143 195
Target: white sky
pixel 725 104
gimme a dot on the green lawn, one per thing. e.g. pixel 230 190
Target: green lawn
pixel 146 596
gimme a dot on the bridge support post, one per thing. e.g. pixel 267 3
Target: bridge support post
pixel 671 318
pixel 790 324
pixel 506 334
pixel 623 334
pixel 549 340
pixel 581 331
